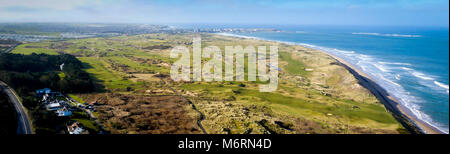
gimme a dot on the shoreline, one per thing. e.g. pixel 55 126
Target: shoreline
pixel 401 113
pixel 405 116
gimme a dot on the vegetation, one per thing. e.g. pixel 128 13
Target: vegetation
pixel 27 73
pixel 313 96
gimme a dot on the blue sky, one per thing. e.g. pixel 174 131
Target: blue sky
pixel 300 12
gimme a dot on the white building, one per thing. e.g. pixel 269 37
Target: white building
pixel 53 106
pixel 75 129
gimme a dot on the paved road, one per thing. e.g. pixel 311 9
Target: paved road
pixel 24 124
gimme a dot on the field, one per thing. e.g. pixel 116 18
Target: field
pixel 315 94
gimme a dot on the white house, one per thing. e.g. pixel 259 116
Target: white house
pixel 53 106
pixel 75 129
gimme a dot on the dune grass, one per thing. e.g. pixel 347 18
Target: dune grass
pixel 293 66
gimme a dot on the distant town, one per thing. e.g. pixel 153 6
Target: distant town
pixel 74 31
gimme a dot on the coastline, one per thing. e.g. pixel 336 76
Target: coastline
pixel 401 113
pixel 404 115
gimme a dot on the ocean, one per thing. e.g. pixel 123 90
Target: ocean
pixel 411 63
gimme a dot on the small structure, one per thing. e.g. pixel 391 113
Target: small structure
pixel 61 67
pixel 53 106
pixel 64 112
pixel 75 128
pixel 45 97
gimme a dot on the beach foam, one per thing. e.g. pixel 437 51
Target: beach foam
pixel 407 69
pixel 421 76
pixel 441 85
pixel 397 76
pixel 391 63
pixel 381 68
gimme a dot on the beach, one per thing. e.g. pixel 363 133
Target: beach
pixel 404 115
pixel 391 97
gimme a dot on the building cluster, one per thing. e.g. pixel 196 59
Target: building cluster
pixel 53 101
pixel 62 106
pixel 25 38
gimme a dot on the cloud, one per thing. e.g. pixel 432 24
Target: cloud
pixel 380 12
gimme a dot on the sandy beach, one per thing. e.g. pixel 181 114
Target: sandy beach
pixel 404 115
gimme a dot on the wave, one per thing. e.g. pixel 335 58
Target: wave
pixel 441 85
pixel 407 69
pixel 421 75
pixel 381 68
pixel 380 71
pixel 391 63
pixel 397 76
pixel 240 36
pixel 389 35
pixel 427 79
pixel 390 81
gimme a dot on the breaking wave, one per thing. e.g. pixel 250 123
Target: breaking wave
pixel 383 73
pixel 389 35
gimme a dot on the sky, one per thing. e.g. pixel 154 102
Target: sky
pixel 297 12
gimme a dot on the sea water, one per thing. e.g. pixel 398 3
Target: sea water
pixel 411 63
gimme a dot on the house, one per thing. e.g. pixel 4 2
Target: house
pixel 64 112
pixel 45 98
pixel 75 128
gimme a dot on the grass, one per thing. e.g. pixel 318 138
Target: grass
pixel 294 66
pixel 102 73
pixel 61 75
pixel 21 49
pixel 76 98
pixel 373 114
pixel 87 124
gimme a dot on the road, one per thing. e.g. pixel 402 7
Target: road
pixel 24 124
